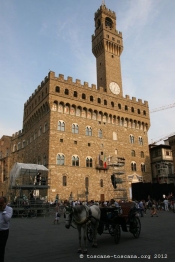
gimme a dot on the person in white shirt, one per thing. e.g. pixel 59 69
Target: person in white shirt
pixel 6 213
pixel 166 204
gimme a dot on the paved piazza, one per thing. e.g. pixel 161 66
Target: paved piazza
pixel 39 240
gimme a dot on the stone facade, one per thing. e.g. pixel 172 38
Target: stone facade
pixel 77 130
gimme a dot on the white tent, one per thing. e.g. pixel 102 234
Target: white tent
pixel 22 169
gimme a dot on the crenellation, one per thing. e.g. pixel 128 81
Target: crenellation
pixel 140 101
pixel 51 74
pixel 78 81
pixel 94 87
pixel 69 79
pixel 134 99
pixel 61 77
pixel 127 97
pixel 86 84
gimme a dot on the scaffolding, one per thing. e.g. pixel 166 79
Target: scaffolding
pixel 117 166
pixel 28 190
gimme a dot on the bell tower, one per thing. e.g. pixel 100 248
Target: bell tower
pixel 107 46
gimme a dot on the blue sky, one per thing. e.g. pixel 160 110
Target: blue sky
pixel 37 36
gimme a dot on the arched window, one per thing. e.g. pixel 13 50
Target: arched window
pixel 54 107
pixel 40 131
pixel 132 109
pixel 75 161
pixel 61 126
pixel 75 129
pixel 133 153
pixel 83 96
pixel 75 93
pixel 105 102
pixel 66 91
pixel 60 159
pixel 133 166
pixel 108 22
pixel 86 182
pixel 140 141
pixel 100 133
pixel 101 182
pixel 89 162
pixel 91 98
pixel 45 128
pixel 138 110
pixel 112 104
pixel 131 137
pixel 57 89
pixel 99 100
pixel 64 180
pixel 142 154
pixel 19 145
pixel 126 108
pixel 144 112
pixel 119 106
pixel 143 168
pixel 114 136
pixel 88 131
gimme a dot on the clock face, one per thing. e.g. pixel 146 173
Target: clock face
pixel 114 87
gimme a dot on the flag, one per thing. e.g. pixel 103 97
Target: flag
pixel 104 163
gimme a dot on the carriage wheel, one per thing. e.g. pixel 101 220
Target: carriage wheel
pixel 136 227
pixel 89 233
pixel 117 233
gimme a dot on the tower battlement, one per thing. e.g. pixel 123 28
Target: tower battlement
pixel 105 10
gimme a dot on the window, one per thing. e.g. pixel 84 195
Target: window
pixel 133 153
pixel 61 126
pixel 75 93
pixel 133 166
pixel 40 131
pixel 144 112
pixel 142 154
pixel 57 89
pixel 105 102
pixel 75 129
pixel 88 162
pixel 99 100
pixel 100 133
pixel 126 108
pixel 119 106
pixel 86 182
pixel 114 135
pixel 132 109
pixel 66 91
pixel 45 128
pixel 91 98
pixel 19 146
pixel 112 104
pixel 61 140
pixel 64 181
pixel 143 168
pixel 89 144
pixel 108 22
pixel 131 137
pixel 88 131
pixel 83 96
pixel 140 140
pixel 60 159
pixel 101 182
pixel 75 142
pixel 138 110
pixel 75 161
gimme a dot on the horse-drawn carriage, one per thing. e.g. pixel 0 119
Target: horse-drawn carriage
pixel 113 219
pixel 103 220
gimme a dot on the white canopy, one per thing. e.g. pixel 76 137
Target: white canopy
pixel 24 169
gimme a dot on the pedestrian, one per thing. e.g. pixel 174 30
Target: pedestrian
pixel 154 210
pixel 57 214
pixel 6 213
pixel 166 202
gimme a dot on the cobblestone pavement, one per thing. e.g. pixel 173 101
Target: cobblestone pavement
pixel 39 240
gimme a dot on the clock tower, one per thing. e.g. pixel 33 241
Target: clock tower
pixel 107 46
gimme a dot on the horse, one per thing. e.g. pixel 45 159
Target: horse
pixel 81 215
